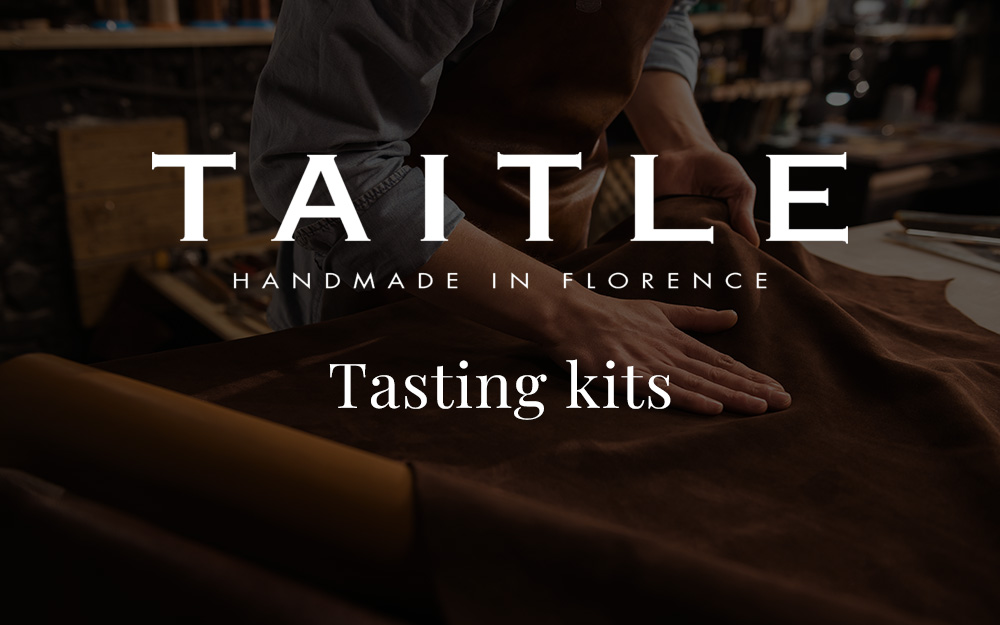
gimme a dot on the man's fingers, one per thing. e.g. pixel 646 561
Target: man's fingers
pixel 699 319
pixel 704 353
pixel 684 399
pixel 695 393
pixel 732 399
pixel 734 391
pixel 707 320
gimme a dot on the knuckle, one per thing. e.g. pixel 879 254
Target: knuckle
pixel 725 361
pixel 678 340
pixel 716 374
pixel 696 383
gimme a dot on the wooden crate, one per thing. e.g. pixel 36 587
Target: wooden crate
pixel 112 223
pixel 112 232
pixel 98 280
pixel 120 211
pixel 118 155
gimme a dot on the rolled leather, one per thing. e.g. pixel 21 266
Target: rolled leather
pixel 73 424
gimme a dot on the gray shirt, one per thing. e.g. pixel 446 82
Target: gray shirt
pixel 357 80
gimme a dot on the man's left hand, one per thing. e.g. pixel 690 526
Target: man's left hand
pixel 708 171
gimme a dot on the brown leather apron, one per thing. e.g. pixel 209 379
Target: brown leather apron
pixel 549 79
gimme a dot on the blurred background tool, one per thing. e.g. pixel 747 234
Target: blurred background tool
pixel 164 14
pixel 256 14
pixel 112 15
pixel 970 225
pixel 979 254
pixel 209 14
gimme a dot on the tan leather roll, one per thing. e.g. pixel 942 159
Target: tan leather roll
pixel 60 416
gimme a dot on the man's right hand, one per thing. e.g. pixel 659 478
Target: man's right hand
pixel 650 336
pixel 573 322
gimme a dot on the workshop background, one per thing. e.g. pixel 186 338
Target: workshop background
pixel 90 265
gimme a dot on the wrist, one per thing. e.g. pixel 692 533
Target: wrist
pixel 678 135
pixel 562 314
pixel 664 114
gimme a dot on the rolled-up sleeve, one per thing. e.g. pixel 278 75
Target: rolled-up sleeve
pixel 675 47
pixel 356 80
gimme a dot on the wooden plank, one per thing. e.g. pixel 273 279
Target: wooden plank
pixel 83 39
pixel 210 314
pixel 880 153
pixel 756 90
pixel 114 223
pixel 253 242
pixel 110 233
pixel 888 33
pixel 98 281
pixel 715 21
pixel 118 155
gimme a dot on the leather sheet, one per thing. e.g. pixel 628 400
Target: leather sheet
pixel 70 560
pixel 875 498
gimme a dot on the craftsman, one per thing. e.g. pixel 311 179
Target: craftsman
pixel 374 82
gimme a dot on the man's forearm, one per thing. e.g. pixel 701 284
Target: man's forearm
pixel 664 113
pixel 533 314
pixel 666 118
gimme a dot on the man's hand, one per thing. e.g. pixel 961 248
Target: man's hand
pixel 708 171
pixel 666 118
pixel 574 323
pixel 650 336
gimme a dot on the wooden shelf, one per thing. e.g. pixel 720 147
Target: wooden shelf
pixel 879 153
pixel 755 90
pixel 888 33
pixel 706 23
pixel 89 39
